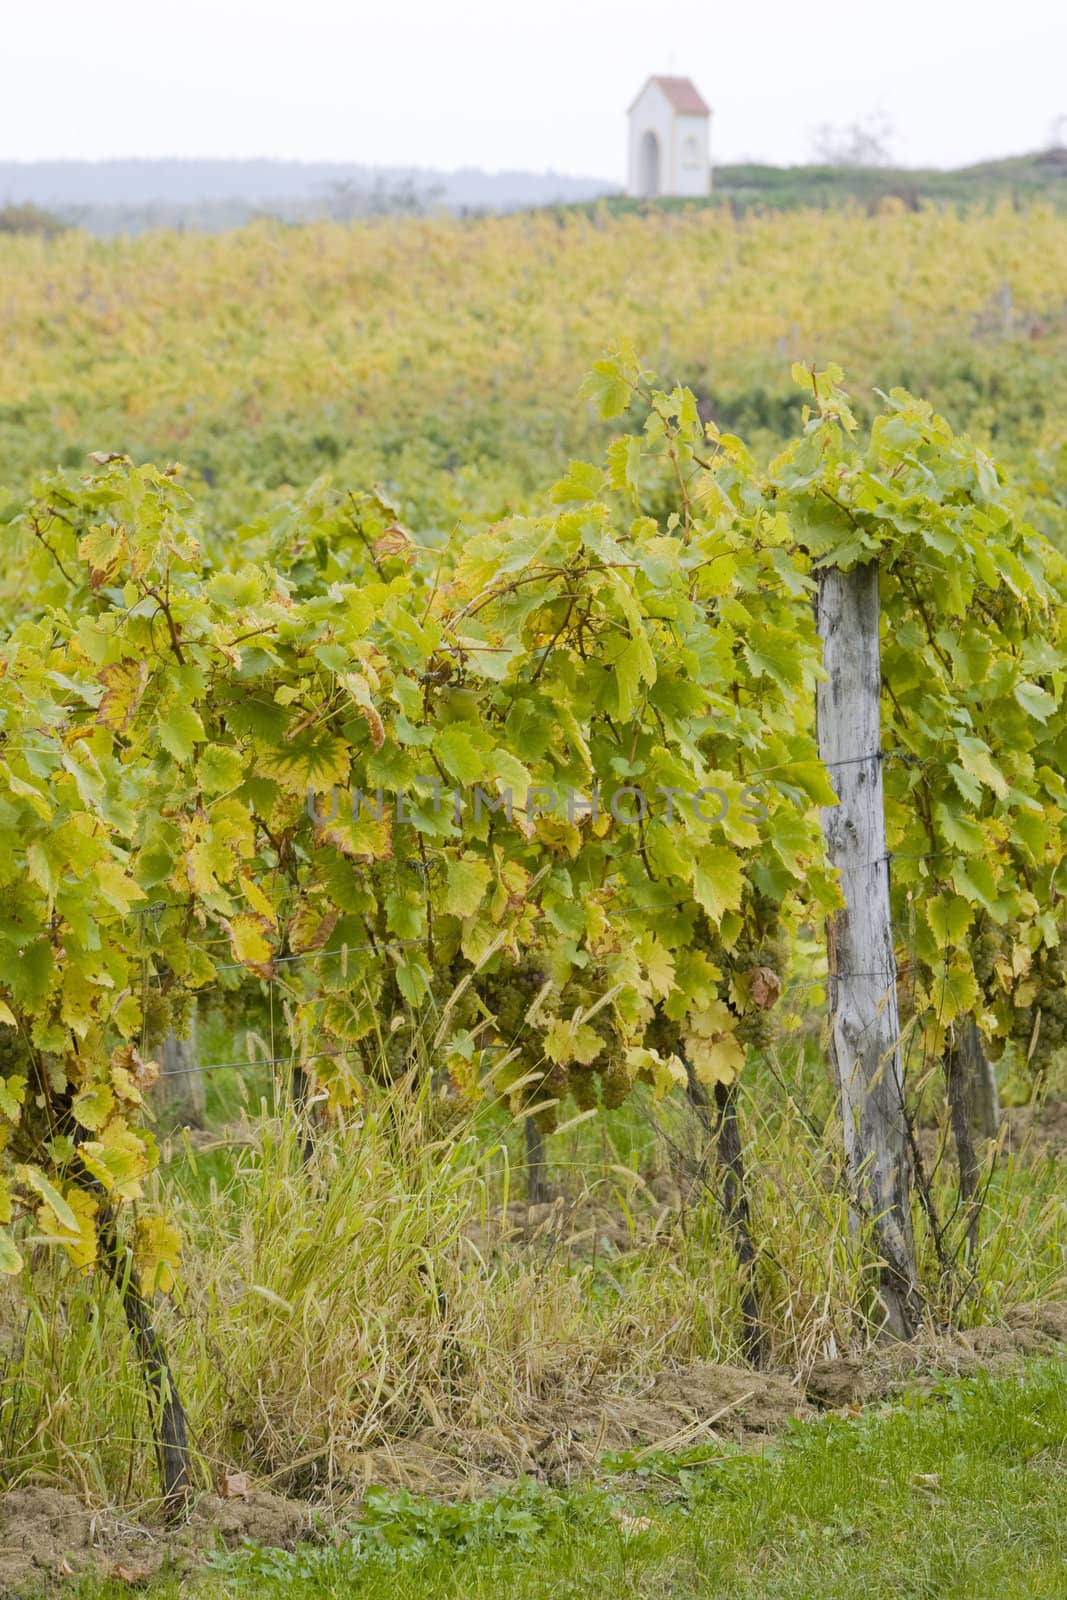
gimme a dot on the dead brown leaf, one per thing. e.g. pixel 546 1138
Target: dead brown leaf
pixel 632 1527
pixel 764 987
pixel 125 1572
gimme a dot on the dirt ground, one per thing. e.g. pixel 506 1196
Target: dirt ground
pixel 1038 1132
pixel 47 1535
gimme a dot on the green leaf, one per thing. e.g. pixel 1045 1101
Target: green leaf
pixel 412 977
pixel 10 1260
pixel 949 917
pixel 977 760
pixel 219 769
pixel 583 481
pixel 718 882
pixel 180 731
pixel 510 773
pixel 458 755
pixel 1035 701
pixel 626 672
pixel 962 832
pixel 608 388
pixel 974 880
pixel 969 787
pixel 12 1095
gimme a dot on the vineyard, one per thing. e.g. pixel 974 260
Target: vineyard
pixel 531 781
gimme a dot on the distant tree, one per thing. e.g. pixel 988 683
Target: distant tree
pixel 28 218
pixel 864 143
pixel 346 200
pixel 1057 133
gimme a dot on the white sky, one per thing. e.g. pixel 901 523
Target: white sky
pixel 532 84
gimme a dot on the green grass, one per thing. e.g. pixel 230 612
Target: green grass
pixel 959 1493
pixel 756 186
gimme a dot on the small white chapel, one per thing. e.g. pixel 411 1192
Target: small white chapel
pixel 670 140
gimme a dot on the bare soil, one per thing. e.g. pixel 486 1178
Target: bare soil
pixel 47 1535
pixel 695 1405
pixel 1039 1132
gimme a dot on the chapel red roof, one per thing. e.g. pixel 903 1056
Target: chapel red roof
pixel 683 95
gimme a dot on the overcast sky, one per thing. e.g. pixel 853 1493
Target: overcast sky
pixel 532 84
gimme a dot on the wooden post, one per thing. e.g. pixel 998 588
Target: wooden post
pixel 536 1166
pixel 171 1432
pixel 865 1031
pixel 983 1099
pixel 724 1137
pixel 971 1086
pixel 181 1087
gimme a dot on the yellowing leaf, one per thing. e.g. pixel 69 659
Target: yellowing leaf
pixel 360 690
pixel 10 1260
pixel 119 1158
pixel 35 1179
pixel 466 886
pixel 116 885
pixel 248 936
pixel 80 1242
pixel 156 1253
pixel 564 1042
pixel 258 900
pixel 124 683
pixel 128 1067
pixel 716 1060
pixel 102 549
pixel 311 762
pixel 310 927
pixel 219 769
pixel 92 1107
pixel 956 993
pixel 976 759
pixel 664 1073
pixel 659 967
pixel 365 837
pixel 949 917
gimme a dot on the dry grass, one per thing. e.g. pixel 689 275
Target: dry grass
pixel 396 1295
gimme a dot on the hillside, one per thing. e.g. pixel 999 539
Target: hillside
pixel 1038 176
pixel 109 198
pixel 133 196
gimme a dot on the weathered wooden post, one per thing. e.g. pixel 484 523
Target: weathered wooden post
pixel 865 1031
pixel 181 1087
pixel 974 1108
